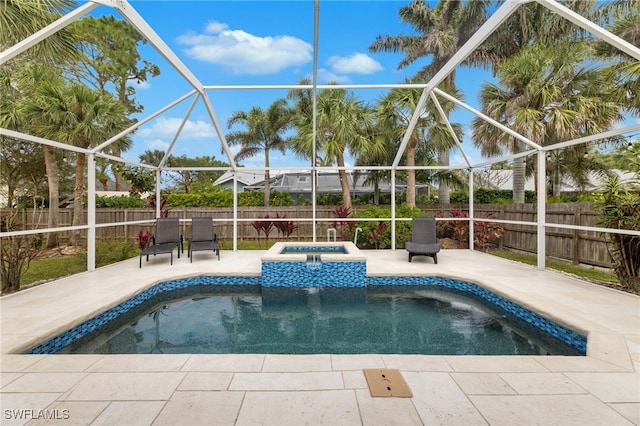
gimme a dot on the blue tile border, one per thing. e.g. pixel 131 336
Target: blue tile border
pixel 314 274
pixel 558 331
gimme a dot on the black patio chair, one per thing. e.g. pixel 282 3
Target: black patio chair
pixel 166 238
pixel 202 237
pixel 423 238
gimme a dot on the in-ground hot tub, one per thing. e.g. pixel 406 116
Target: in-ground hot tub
pixel 333 264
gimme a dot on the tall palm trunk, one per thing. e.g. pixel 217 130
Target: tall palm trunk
pixel 78 194
pixel 444 190
pixel 411 174
pixel 519 172
pixel 344 182
pixel 51 167
pixel 267 178
pixel 117 174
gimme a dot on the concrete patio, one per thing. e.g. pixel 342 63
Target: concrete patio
pixel 601 388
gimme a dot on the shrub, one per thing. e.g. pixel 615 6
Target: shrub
pixel 619 207
pixel 378 234
pixel 490 196
pixel 485 233
pixel 121 202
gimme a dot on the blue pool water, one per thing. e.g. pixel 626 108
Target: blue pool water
pixel 398 319
pixel 314 250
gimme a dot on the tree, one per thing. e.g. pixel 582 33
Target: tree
pixel 395 111
pixel 441 31
pixel 547 95
pixel 623 18
pixel 302 110
pixel 110 62
pixel 344 125
pixel 21 86
pixel 264 132
pixel 185 179
pixel 22 170
pixel 24 18
pixel 74 114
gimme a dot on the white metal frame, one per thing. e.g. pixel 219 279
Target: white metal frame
pixel 200 91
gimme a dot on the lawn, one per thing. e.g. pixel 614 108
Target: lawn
pixel 589 274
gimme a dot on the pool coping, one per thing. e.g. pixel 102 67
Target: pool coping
pixel 602 343
pixel 353 253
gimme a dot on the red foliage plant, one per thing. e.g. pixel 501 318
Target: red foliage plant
pixel 285 227
pixel 339 213
pixel 265 226
pixel 143 239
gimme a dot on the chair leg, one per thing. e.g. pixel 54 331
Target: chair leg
pixel 435 258
pixel 140 260
pixel 410 256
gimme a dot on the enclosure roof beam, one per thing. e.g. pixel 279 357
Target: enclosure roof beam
pixel 216 125
pixel 582 22
pixel 155 40
pixel 488 119
pixel 591 138
pixel 175 137
pixel 141 122
pixel 50 29
pixel 42 141
pixel 443 116
pixel 469 47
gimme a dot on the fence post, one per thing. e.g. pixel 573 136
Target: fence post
pixel 576 236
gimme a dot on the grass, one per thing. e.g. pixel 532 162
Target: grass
pixel 57 267
pixel 42 270
pixel 588 274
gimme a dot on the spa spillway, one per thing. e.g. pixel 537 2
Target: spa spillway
pixel 334 264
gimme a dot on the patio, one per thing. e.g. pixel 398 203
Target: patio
pixel 601 388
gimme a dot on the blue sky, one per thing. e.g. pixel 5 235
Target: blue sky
pixel 268 43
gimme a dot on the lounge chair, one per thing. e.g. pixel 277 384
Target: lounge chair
pixel 423 238
pixel 202 236
pixel 166 238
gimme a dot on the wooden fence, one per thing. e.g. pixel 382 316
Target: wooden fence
pixel 577 246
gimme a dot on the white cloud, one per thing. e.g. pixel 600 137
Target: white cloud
pixel 326 76
pixel 246 53
pixel 358 63
pixel 168 127
pixel 143 85
pixel 158 144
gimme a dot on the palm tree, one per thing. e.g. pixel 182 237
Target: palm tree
pixel 24 18
pixel 76 115
pixel 441 31
pixel 265 131
pixel 546 95
pixel 20 86
pixel 343 125
pixel 394 111
pixel 302 114
pixel 625 71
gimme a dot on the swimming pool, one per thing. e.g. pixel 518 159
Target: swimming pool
pixel 318 320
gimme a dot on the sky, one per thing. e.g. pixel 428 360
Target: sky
pixel 268 43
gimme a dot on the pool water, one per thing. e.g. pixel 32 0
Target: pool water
pixel 313 250
pixel 402 320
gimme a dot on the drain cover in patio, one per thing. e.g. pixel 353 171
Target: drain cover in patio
pixel 387 382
